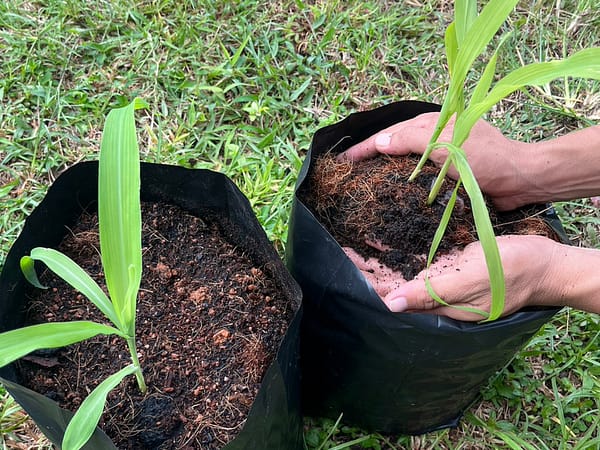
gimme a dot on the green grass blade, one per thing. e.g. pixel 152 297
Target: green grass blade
pixel 22 341
pixel 119 213
pixel 477 37
pixel 351 443
pixel 483 86
pixel 84 422
pixel 583 64
pixel 485 231
pixel 513 441
pixel 330 432
pixel 68 270
pixel 441 301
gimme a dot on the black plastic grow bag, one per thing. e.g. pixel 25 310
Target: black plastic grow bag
pixel 388 372
pixel 274 421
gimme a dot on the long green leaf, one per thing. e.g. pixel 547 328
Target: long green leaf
pixel 84 422
pixel 479 35
pixel 68 270
pixel 583 64
pixel 441 301
pixel 119 213
pixel 451 44
pixel 20 342
pixel 465 13
pixel 485 231
pixel 444 221
pixel 28 268
pixel 484 83
pixel 437 239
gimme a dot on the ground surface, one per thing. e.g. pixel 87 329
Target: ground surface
pixel 240 87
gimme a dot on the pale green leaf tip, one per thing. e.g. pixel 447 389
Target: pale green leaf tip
pixel 28 268
pixel 140 103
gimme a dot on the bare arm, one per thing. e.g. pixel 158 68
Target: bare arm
pixel 563 168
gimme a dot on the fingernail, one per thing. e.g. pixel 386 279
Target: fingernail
pixel 383 140
pixel 397 304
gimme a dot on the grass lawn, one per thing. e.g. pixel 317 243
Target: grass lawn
pixel 240 87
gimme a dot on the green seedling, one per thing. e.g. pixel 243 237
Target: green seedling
pixel 120 223
pixel 467 38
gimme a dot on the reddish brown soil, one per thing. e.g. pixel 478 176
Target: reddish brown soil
pixel 209 324
pixel 371 201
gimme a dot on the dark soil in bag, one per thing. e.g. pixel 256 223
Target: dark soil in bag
pixel 209 324
pixel 371 206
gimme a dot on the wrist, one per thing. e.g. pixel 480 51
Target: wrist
pixel 532 167
pixel 571 278
pixel 562 168
pixel 551 285
pixel 521 181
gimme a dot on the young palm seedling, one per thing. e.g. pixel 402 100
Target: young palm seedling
pixel 119 217
pixel 467 37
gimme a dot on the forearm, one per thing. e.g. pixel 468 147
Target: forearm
pixel 564 168
pixel 574 278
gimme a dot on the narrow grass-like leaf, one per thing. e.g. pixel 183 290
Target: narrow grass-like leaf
pixel 465 12
pixel 486 79
pixel 439 181
pixel 22 341
pixel 119 213
pixel 583 64
pixel 28 268
pixel 451 45
pixel 479 35
pixel 513 441
pixel 68 270
pixel 441 301
pixel 484 83
pixel 485 232
pixel 437 239
pixel 351 443
pixel 331 431
pixel 444 221
pixel 84 422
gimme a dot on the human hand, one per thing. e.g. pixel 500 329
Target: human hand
pixel 498 163
pixel 462 279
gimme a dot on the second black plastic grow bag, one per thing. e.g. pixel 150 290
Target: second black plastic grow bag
pixel 274 421
pixel 388 372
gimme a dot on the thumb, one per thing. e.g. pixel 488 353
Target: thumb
pixel 409 296
pixel 402 142
pixel 413 295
